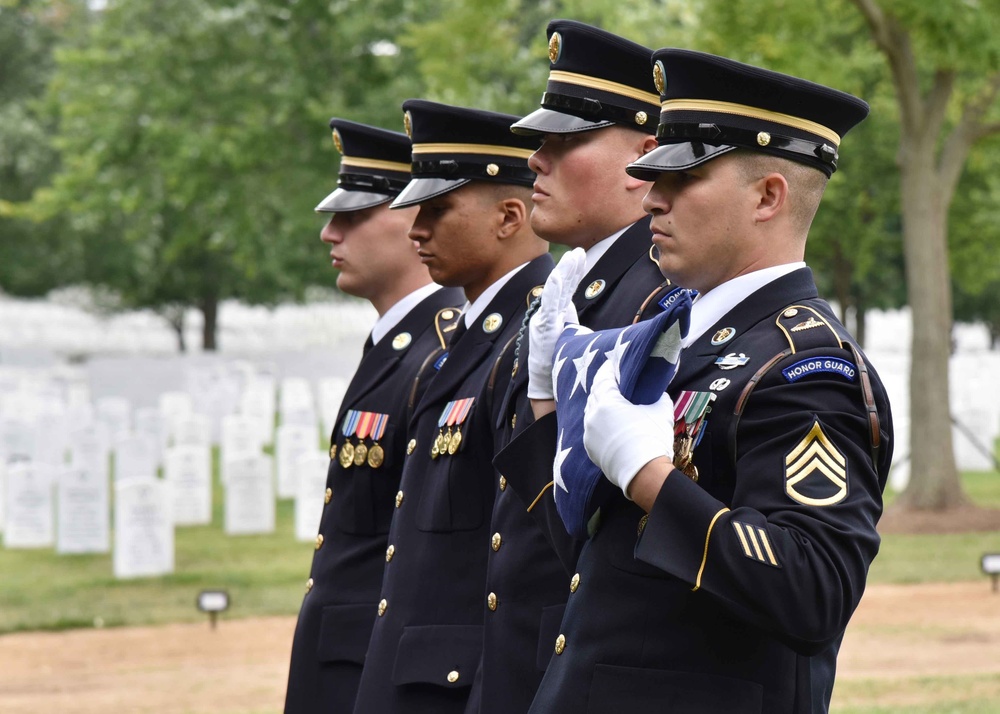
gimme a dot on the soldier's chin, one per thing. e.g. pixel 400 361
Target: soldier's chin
pixel 346 284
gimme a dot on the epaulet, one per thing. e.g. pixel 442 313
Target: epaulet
pixel 445 322
pixel 806 329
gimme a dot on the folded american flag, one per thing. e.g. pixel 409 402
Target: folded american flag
pixel 646 355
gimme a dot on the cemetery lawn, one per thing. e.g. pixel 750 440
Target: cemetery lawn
pixel 264 575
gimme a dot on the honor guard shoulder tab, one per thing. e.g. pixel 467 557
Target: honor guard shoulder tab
pixel 445 322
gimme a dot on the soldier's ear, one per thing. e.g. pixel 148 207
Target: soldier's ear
pixel 513 217
pixel 772 196
pixel 642 147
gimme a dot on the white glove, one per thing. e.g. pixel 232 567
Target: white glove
pixel 622 437
pixel 556 310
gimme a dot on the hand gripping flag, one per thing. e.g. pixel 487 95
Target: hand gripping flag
pixel 646 355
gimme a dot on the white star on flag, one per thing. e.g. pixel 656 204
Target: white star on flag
pixel 645 356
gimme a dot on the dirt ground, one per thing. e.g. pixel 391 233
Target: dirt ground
pixel 240 667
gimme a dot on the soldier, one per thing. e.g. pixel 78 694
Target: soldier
pixel 598 113
pixel 472 183
pixel 369 245
pixel 723 574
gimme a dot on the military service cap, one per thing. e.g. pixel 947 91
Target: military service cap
pixel 596 79
pixel 455 145
pixel 711 105
pixel 374 166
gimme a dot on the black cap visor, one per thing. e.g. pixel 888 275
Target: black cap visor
pixel 422 189
pixel 546 121
pixel 343 200
pixel 674 157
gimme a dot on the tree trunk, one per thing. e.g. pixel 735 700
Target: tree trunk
pixel 934 482
pixel 210 314
pixel 842 273
pixel 174 315
pixel 860 313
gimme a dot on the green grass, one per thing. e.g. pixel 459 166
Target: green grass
pixel 976 694
pixel 264 575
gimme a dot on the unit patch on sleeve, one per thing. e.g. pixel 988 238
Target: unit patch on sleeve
pixel 815 470
pixel 756 544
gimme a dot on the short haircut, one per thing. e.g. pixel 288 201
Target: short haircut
pixel 806 184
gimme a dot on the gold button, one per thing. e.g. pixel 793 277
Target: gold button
pixel 560 644
pixel 333 451
pixel 491 601
pixel 574 583
pixel 503 484
pixel 447 314
pixel 309 584
pixel 319 541
pixel 399 499
pixel 329 495
pixel 411 446
pixel 389 552
pixel 513 421
pixel 453 676
pixel 497 541
pixel 383 604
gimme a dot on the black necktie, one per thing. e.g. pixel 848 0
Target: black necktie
pixel 460 330
pixel 368 345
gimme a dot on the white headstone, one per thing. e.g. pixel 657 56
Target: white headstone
pixel 310 470
pixel 144 529
pixel 974 438
pixel 29 506
pixel 135 457
pixel 175 404
pixel 89 448
pixel 188 470
pixel 116 412
pixel 149 422
pixel 83 514
pixel 292 442
pixel 51 438
pixel 17 439
pixel 249 506
pixel 240 440
pixel 191 429
pixel 257 404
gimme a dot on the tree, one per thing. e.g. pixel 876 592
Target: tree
pixel 945 64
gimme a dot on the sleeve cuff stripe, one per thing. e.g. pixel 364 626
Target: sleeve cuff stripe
pixel 704 557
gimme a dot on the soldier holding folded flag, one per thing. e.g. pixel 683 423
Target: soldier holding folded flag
pixel 731 550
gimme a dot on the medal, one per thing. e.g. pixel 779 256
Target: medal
pixel 690 410
pixel 375 456
pixel 456 440
pixel 346 455
pixel 436 447
pixel 691 471
pixel 360 454
pixel 445 442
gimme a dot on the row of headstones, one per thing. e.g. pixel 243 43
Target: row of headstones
pixel 974 410
pixel 68 508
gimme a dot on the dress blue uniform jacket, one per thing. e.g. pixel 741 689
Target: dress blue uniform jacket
pixel 337 612
pixel 526 586
pixel 428 635
pixel 733 594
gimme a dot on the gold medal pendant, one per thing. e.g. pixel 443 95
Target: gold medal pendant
pixel 346 455
pixel 360 454
pixel 691 471
pixel 456 441
pixel 446 443
pixel 376 456
pixel 436 448
pixel 682 451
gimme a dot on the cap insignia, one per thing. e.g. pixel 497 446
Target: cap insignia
pixel 659 78
pixel 724 335
pixel 641 118
pixel 408 124
pixel 763 138
pixel 337 142
pixel 555 47
pixel 492 169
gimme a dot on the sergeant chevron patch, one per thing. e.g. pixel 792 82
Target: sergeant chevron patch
pixel 756 544
pixel 815 470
